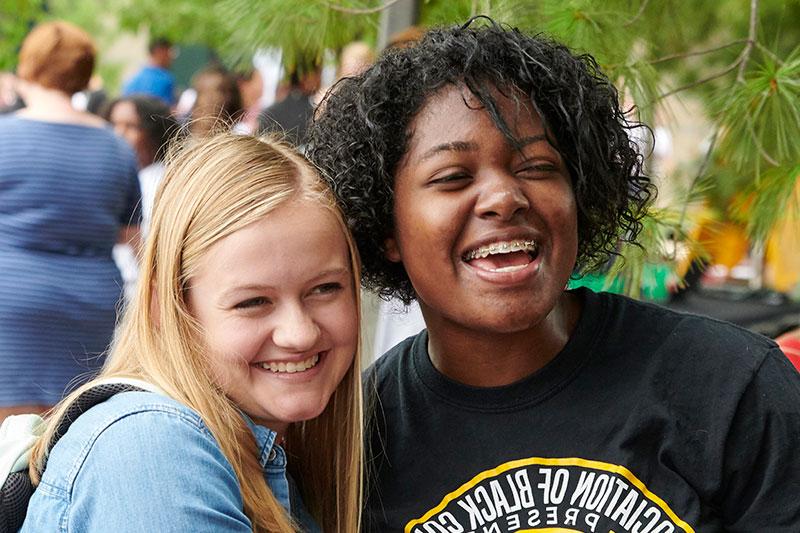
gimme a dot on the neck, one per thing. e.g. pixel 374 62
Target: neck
pixel 280 428
pixel 51 105
pixel 495 359
pixel 155 62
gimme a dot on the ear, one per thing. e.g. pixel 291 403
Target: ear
pixel 392 250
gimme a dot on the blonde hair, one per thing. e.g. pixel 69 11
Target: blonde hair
pixel 212 188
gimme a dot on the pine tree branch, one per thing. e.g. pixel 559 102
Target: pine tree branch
pixel 757 142
pixel 700 172
pixel 770 53
pixel 730 68
pixel 740 62
pixel 751 40
pixel 638 15
pixel 697 53
pixel 360 11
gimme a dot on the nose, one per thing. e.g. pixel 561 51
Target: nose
pixel 502 197
pixel 295 330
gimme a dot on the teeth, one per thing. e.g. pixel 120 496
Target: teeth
pixel 505 247
pixel 508 268
pixel 291 368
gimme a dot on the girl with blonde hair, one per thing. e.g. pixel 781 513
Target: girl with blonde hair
pixel 245 320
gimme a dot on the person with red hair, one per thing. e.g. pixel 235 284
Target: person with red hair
pixel 68 192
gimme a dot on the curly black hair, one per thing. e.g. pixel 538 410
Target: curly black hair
pixel 362 131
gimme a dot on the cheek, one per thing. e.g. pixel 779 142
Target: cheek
pixel 429 228
pixel 230 348
pixel 341 323
pixel 565 222
pixel 346 325
pixel 137 140
pixel 562 207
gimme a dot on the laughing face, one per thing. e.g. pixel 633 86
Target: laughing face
pixel 487 233
pixel 276 301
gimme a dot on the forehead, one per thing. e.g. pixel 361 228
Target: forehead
pixel 452 106
pixel 124 110
pixel 295 240
pixel 454 111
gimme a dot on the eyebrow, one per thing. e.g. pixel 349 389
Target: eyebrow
pixel 455 146
pixel 260 287
pixel 462 146
pixel 525 141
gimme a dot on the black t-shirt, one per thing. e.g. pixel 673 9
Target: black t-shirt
pixel 648 421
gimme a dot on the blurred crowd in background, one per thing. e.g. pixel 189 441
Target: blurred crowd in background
pixel 71 222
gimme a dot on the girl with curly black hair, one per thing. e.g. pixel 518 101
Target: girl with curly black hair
pixel 479 170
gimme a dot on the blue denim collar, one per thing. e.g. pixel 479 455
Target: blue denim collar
pixel 270 454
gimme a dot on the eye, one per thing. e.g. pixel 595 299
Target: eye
pixel 327 288
pixel 536 169
pixel 250 303
pixel 454 180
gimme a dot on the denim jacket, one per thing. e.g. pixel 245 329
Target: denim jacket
pixel 142 462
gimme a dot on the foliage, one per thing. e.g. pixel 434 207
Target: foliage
pixel 16 18
pixel 304 30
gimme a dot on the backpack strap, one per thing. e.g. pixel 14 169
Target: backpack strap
pixel 18 488
pixel 88 399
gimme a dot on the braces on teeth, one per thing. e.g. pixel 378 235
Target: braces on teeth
pixel 501 248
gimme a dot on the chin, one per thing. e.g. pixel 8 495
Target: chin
pixel 504 327
pixel 302 413
pixel 509 319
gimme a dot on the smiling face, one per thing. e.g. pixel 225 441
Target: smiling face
pixel 487 233
pixel 277 305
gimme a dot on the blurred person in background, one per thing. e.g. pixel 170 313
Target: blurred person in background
pixel 155 78
pixel 94 98
pixel 68 192
pixel 146 123
pixel 218 101
pixel 9 99
pixel 251 89
pixel 291 114
pixel 354 59
pixel 405 38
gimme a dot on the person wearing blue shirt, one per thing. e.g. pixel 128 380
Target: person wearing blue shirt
pixel 245 323
pixel 155 79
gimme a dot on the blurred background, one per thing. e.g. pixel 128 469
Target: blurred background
pixel 718 84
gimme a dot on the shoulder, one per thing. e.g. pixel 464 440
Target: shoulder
pixel 111 146
pixel 140 426
pixel 160 76
pixel 12 127
pixel 139 462
pixel 653 327
pixel 165 74
pixel 392 365
pixel 9 120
